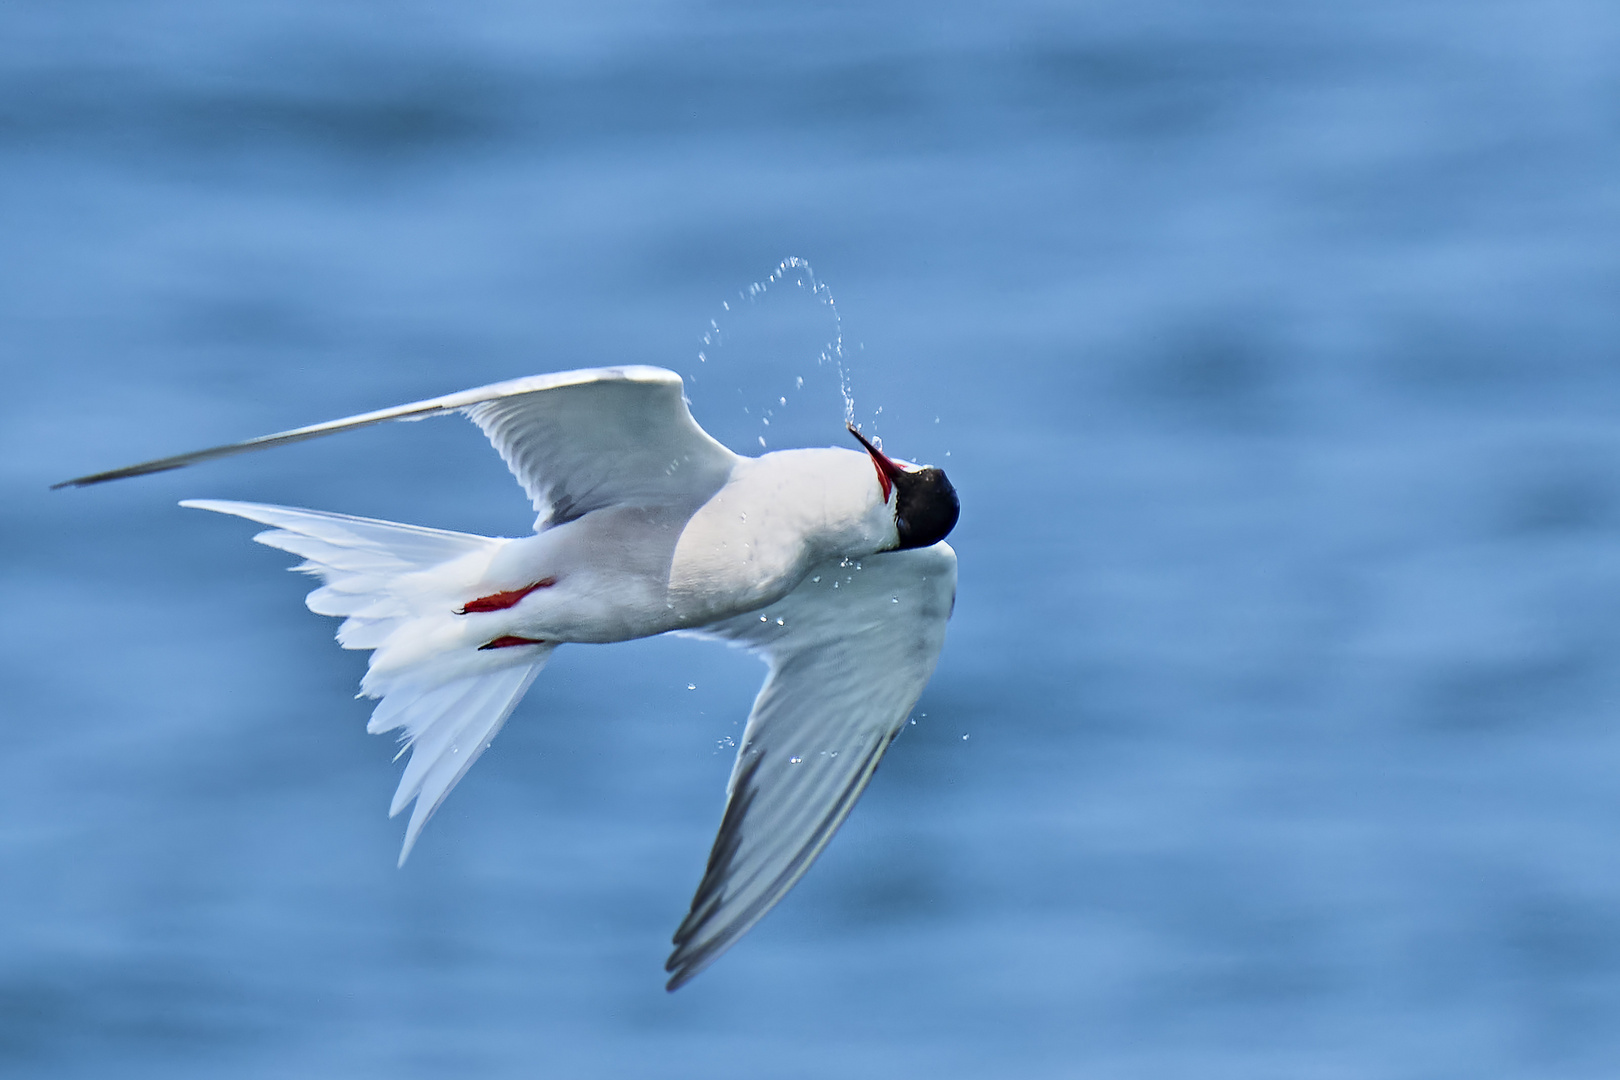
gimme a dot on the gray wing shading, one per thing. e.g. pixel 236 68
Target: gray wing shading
pixel 624 435
pixel 849 651
pixel 576 440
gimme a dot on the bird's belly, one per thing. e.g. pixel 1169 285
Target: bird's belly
pixel 601 604
pixel 733 557
pixel 598 608
pixel 632 572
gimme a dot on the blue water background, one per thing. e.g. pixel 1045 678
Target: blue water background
pixel 1274 349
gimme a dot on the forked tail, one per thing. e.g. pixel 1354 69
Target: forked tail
pixel 393 585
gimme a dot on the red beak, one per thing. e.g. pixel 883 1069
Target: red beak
pixel 888 469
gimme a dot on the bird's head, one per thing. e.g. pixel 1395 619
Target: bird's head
pixel 924 502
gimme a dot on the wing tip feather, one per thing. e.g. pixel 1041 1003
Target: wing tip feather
pixel 145 468
pixel 418 410
pixel 686 962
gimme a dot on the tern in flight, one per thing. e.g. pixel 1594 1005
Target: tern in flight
pixel 829 563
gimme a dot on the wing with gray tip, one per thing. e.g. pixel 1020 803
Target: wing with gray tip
pixel 849 655
pixel 575 440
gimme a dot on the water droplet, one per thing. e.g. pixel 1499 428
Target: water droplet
pixel 799 385
pixel 764 618
pixel 817 578
pixel 936 419
pixel 833 754
pixel 762 443
pixel 795 759
pixel 964 738
pixel 781 401
pixel 781 622
pixel 894 599
pixel 691 686
pixel 765 420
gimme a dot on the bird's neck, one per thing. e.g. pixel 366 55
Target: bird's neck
pixel 778 516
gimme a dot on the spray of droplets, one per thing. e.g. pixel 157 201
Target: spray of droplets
pixel 798 272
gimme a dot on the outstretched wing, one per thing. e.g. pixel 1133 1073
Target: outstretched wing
pixel 575 440
pixel 849 651
pixel 608 436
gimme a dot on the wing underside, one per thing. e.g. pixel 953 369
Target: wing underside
pixel 849 652
pixel 575 440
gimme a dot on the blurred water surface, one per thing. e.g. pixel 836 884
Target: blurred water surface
pixel 1272 347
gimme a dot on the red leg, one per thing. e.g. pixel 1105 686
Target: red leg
pixel 506 641
pixel 502 600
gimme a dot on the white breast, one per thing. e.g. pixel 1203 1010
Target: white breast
pixel 635 570
pixel 777 516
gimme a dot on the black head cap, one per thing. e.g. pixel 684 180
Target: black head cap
pixel 925 503
pixel 925 507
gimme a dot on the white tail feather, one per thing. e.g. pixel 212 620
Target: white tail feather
pixel 450 702
pixel 447 728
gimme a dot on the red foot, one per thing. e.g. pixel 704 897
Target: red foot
pixel 506 641
pixel 502 600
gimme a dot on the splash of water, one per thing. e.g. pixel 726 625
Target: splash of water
pixel 798 272
pixel 804 276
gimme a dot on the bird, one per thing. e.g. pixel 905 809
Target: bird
pixel 829 563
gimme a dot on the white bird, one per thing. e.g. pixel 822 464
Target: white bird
pixel 829 563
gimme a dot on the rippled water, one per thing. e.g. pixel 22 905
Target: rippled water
pixel 1273 351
